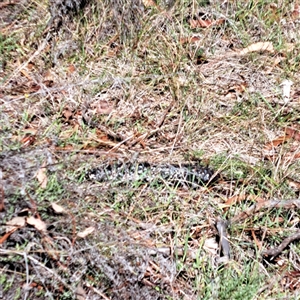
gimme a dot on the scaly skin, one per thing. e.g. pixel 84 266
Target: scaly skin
pixel 191 175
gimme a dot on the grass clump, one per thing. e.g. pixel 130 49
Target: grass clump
pixel 84 83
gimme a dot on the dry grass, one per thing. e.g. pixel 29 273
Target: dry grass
pixel 119 80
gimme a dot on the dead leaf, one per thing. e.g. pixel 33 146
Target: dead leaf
pixel 258 47
pixel 67 114
pixel 29 286
pixel 211 246
pixel 37 223
pixel 190 40
pixel 14 223
pixel 31 66
pixel 278 219
pixel 236 90
pixel 233 200
pixel 41 176
pixel 6 235
pixel 27 141
pixel 105 141
pixel 80 293
pixel 200 23
pixel 57 208
pixel 48 78
pixel 296 155
pixel 204 23
pixel 86 232
pixel 238 198
pixel 149 3
pixel 293 133
pixel 275 143
pixel 104 108
pixel 30 130
pixel 48 75
pixel 12 226
pixel 293 184
pixel 71 69
pixel 295 221
pixel 296 12
pixel 24 73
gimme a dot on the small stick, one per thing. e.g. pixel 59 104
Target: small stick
pixel 277 250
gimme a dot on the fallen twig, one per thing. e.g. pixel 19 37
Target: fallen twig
pixel 277 250
pixel 274 203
